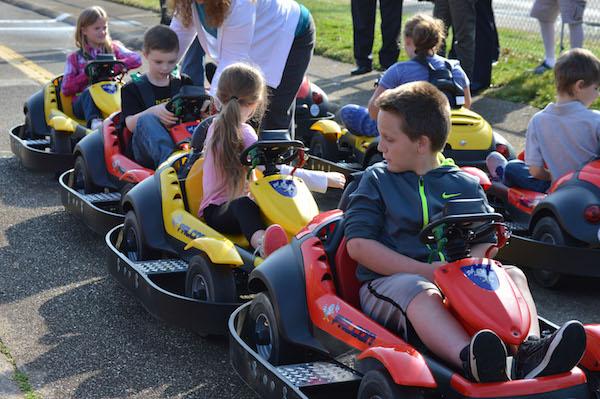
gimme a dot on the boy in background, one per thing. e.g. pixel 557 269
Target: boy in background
pixel 563 136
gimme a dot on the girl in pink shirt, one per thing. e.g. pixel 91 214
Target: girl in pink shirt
pixel 92 38
pixel 226 205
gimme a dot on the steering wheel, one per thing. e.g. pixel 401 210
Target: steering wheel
pixel 99 70
pixel 190 103
pixel 471 226
pixel 278 151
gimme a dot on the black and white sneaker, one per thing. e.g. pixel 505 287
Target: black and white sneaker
pixel 556 353
pixel 542 68
pixel 484 360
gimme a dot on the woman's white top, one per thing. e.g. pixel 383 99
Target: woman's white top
pixel 258 32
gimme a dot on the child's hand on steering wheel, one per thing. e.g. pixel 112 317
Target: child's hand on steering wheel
pixel 335 180
pixel 166 117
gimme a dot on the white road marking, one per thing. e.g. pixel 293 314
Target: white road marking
pixel 17 82
pixel 36 28
pixel 60 18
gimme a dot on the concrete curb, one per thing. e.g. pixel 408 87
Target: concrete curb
pixel 8 387
pixel 130 40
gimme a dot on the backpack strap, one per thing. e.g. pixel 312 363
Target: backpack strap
pixel 84 55
pixel 145 88
pixel 444 81
pixel 175 84
pixel 423 61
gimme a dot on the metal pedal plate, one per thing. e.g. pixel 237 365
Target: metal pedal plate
pixel 161 266
pixel 517 227
pixel 101 197
pixel 36 142
pixel 350 165
pixel 317 373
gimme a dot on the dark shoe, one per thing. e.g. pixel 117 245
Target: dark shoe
pixel 361 70
pixel 540 69
pixel 484 360
pixel 556 353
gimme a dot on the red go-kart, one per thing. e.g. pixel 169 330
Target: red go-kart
pixel 304 335
pixel 551 230
pixel 104 166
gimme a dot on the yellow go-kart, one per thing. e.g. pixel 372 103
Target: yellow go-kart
pixel 182 270
pixel 46 140
pixel 470 140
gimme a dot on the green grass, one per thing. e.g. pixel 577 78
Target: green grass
pixel 19 377
pixel 512 79
pixel 146 4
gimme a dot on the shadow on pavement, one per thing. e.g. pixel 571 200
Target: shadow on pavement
pixel 104 345
pixel 84 336
pixel 24 188
pixel 46 252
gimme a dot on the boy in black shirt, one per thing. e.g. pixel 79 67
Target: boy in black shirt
pixel 144 99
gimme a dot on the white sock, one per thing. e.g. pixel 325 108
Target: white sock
pixel 493 161
pixel 576 35
pixel 547 30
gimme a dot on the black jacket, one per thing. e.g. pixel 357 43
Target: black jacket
pixel 392 208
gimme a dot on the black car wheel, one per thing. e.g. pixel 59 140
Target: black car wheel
pixel 264 333
pixel 547 230
pixel 133 244
pixel 60 143
pixel 80 178
pixel 26 131
pixel 377 384
pixel 323 148
pixel 206 281
pixel 123 191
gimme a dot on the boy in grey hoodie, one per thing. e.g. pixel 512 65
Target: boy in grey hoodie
pixel 393 202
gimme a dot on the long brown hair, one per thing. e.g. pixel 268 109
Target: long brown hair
pixel 427 33
pixel 216 11
pixel 88 17
pixel 240 84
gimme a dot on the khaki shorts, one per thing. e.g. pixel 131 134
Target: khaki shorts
pixel 386 299
pixel 571 11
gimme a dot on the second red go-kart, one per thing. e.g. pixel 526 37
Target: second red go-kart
pixel 104 166
pixel 304 335
pixel 555 233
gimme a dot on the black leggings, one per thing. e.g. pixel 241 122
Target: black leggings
pixel 282 99
pixel 241 216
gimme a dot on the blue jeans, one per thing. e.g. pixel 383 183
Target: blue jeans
pixel 151 142
pixel 85 108
pixel 358 121
pixel 193 63
pixel 516 174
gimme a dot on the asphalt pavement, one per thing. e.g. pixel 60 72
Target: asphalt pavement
pixel 69 326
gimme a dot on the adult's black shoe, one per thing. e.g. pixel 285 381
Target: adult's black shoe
pixel 361 70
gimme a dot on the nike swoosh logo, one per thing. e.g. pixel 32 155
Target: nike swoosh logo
pixel 446 196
